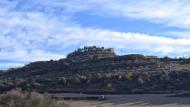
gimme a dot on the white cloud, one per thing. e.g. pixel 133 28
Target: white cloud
pixel 28 56
pixel 131 41
pixel 4 66
pixel 171 12
pixel 31 35
pixel 179 34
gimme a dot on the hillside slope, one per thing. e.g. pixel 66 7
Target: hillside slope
pixel 98 70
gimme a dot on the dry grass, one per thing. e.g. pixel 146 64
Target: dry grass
pixel 17 98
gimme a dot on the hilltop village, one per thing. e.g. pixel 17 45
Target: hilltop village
pixel 88 53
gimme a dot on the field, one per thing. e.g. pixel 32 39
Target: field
pixel 18 98
pixel 138 100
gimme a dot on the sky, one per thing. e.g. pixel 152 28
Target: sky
pixel 36 30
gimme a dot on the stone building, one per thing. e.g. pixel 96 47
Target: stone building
pixel 92 52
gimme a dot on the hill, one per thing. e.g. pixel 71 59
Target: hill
pixel 100 70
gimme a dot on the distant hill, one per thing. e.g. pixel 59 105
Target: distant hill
pixel 100 70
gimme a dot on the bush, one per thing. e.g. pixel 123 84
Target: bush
pixel 16 98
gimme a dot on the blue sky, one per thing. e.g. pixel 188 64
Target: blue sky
pixel 34 30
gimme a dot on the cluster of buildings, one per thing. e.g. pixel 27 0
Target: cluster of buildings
pixel 92 52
